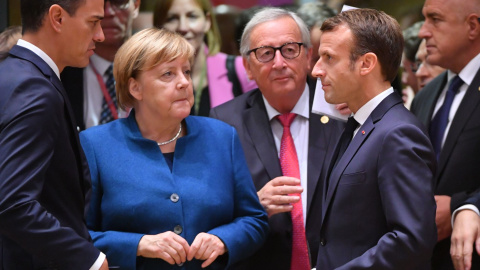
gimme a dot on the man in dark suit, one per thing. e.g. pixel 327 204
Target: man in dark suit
pixel 88 92
pixel 452 34
pixel 280 70
pixel 378 210
pixel 44 178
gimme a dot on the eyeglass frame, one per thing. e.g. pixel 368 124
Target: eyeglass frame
pixel 275 49
pixel 119 7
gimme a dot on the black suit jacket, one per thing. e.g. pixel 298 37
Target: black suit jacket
pixel 248 115
pixel 457 171
pixel 72 80
pixel 44 179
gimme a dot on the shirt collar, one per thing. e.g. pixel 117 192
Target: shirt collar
pixel 364 112
pixel 100 64
pixel 41 54
pixel 468 72
pixel 301 108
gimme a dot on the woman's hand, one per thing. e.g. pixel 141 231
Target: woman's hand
pixel 206 247
pixel 167 246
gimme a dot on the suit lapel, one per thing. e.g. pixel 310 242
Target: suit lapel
pixel 470 101
pixel 30 56
pixel 258 127
pixel 431 102
pixel 363 133
pixel 317 138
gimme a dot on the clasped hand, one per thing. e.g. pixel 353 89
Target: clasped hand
pixel 275 195
pixel 174 249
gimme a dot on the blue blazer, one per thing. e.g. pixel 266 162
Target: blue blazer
pixel 379 209
pixel 133 188
pixel 44 178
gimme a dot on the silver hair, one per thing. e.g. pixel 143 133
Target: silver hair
pixel 270 14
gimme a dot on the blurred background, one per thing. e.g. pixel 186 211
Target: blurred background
pixel 406 12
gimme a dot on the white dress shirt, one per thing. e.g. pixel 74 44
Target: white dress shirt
pixel 364 112
pixel 299 129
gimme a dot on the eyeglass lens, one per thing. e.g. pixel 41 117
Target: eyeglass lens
pixel 288 51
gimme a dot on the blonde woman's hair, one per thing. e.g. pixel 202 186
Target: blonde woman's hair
pixel 143 51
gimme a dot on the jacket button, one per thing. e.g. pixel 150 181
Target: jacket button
pixel 178 229
pixel 174 197
pixel 323 242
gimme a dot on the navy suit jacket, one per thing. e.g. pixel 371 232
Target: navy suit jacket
pixel 457 172
pixel 379 210
pixel 248 115
pixel 44 178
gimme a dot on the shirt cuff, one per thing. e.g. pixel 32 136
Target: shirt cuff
pixel 98 263
pixel 464 207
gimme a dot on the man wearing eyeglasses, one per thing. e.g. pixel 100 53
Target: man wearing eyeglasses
pixel 284 143
pixel 91 90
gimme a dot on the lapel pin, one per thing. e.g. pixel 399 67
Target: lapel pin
pixel 324 119
pixel 363 132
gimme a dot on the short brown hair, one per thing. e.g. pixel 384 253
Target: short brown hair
pixel 212 37
pixel 373 31
pixel 143 51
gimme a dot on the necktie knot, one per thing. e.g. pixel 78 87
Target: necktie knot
pixel 286 119
pixel 351 126
pixel 455 84
pixel 109 71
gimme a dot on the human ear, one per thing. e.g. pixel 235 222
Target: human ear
pixel 368 62
pixel 55 17
pixel 134 89
pixel 473 26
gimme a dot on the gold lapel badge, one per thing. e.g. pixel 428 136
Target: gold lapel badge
pixel 324 119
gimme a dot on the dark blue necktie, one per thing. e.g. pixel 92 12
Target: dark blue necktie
pixel 440 121
pixel 106 114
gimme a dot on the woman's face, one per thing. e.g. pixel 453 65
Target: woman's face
pixel 187 18
pixel 165 91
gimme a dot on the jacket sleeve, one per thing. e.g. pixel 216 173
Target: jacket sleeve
pixel 248 231
pixel 120 247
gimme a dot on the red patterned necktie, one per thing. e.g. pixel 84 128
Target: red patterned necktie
pixel 290 167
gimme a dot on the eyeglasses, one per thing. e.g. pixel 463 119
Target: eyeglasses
pixel 119 4
pixel 288 50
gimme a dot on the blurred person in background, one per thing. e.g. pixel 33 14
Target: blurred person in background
pixel 91 90
pixel 314 14
pixel 409 81
pixel 168 188
pixel 8 38
pixel 217 77
pixel 425 71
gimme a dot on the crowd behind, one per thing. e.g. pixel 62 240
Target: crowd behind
pixel 152 149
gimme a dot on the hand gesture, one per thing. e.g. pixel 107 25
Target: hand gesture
pixel 167 246
pixel 274 196
pixel 466 231
pixel 206 247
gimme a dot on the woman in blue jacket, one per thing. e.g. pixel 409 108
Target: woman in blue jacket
pixel 170 191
